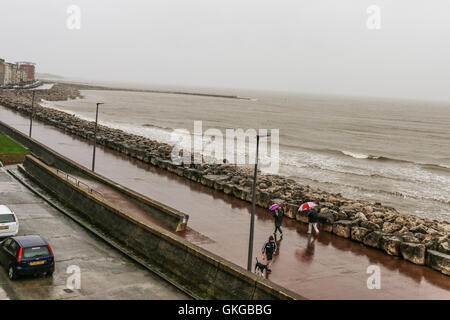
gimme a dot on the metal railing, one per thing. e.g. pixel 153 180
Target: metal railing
pixel 79 183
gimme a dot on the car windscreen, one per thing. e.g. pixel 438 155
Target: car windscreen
pixel 7 218
pixel 36 252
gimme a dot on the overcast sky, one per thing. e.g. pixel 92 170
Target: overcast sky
pixel 317 46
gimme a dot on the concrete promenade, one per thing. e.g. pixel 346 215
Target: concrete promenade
pixel 323 267
pixel 105 273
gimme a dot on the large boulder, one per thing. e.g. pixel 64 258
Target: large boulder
pixel 409 238
pixel 444 247
pixel 219 185
pixel 236 179
pixel 390 227
pixel 361 216
pixel 390 244
pixel 377 221
pixel 343 228
pixel 190 173
pixel 378 214
pixel 301 216
pixel 340 215
pixel 290 210
pixel 325 217
pixel 368 209
pixel 438 261
pixel 413 252
pixel 369 225
pixel 237 191
pixel 247 194
pixel 372 239
pixel 263 199
pixel 228 188
pixel 326 205
pixel 209 179
pixel 419 229
pixel 358 233
pixel 327 227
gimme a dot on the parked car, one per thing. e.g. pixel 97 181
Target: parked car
pixel 26 255
pixel 9 224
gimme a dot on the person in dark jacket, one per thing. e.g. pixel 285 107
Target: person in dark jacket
pixel 312 219
pixel 278 215
pixel 268 249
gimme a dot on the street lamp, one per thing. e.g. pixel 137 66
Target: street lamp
pixel 252 217
pixel 31 113
pixel 95 136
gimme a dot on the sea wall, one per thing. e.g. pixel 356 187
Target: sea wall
pixel 172 218
pixel 415 239
pixel 206 275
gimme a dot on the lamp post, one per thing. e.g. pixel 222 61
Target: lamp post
pixel 95 137
pixel 31 113
pixel 252 217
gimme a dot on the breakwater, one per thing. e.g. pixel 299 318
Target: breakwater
pixel 378 226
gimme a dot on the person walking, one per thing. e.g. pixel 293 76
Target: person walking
pixel 312 219
pixel 278 215
pixel 267 251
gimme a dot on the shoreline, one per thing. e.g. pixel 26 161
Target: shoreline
pixel 410 237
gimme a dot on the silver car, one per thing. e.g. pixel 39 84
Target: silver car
pixel 9 224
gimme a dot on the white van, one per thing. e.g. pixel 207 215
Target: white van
pixel 9 224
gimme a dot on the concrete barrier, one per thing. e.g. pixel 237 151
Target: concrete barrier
pixel 168 216
pixel 199 271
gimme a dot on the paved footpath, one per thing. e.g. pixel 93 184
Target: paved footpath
pixel 323 267
pixel 105 272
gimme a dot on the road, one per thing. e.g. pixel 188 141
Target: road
pixel 105 272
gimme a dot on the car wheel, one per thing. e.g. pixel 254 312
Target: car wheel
pixel 49 274
pixel 12 273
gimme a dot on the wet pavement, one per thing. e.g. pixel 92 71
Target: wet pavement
pixel 105 272
pixel 112 196
pixel 323 267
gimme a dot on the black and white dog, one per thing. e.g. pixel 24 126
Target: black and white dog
pixel 259 268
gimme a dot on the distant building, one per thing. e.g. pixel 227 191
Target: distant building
pixel 9 74
pixel 15 74
pixel 12 74
pixel 2 72
pixel 23 76
pixel 29 69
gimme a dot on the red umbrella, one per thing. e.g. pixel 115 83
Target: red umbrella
pixel 307 205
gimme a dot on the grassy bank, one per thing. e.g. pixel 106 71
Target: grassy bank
pixel 10 151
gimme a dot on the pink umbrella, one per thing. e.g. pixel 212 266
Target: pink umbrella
pixel 274 207
pixel 307 205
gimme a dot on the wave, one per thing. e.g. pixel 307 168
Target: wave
pixel 150 125
pixel 352 154
pixel 437 167
pixel 429 166
pixel 363 189
pixel 361 155
pixel 366 156
pixel 350 173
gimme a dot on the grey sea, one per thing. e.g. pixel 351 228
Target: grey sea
pixel 390 151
